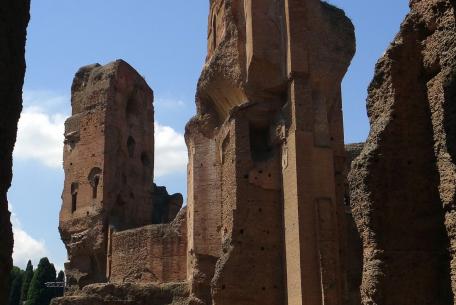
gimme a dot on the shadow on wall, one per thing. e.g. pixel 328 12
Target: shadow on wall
pixel 450 111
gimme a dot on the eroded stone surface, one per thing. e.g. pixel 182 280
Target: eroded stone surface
pixel 266 155
pixel 14 17
pixel 353 246
pixel 403 184
pixel 166 206
pixel 130 294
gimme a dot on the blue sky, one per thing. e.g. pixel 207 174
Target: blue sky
pixel 166 42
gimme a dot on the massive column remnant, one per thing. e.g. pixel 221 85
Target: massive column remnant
pixel 108 162
pixel 14 18
pixel 266 151
pixel 403 185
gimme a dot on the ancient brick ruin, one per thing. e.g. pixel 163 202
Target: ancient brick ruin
pixel 265 174
pixel 404 182
pixel 266 155
pixel 108 163
pixel 272 215
pixel 14 17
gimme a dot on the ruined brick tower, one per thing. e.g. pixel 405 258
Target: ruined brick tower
pixel 108 163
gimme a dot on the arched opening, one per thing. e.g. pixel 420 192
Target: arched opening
pixel 94 180
pixel 95 187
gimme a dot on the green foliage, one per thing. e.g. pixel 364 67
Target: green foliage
pixel 16 278
pixel 38 293
pixel 60 278
pixel 28 275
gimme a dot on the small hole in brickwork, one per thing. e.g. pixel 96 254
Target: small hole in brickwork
pixel 246 176
pixel 263 288
pixel 223 286
pixel 260 210
pixel 242 231
pixel 262 248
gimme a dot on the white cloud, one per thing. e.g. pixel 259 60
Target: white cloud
pixel 25 246
pixel 40 137
pixel 46 99
pixel 169 103
pixel 170 151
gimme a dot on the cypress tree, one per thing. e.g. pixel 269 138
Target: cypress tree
pixel 38 293
pixel 16 278
pixel 28 275
pixel 60 278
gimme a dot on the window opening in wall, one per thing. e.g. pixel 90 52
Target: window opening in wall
pixel 74 196
pixel 94 180
pixel 95 187
pixel 260 148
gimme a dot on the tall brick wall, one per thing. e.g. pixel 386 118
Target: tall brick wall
pixel 150 254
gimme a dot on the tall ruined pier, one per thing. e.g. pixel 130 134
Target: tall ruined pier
pixel 266 151
pixel 403 185
pixel 108 163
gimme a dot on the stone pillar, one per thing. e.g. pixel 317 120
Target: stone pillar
pixel 204 209
pixel 313 164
